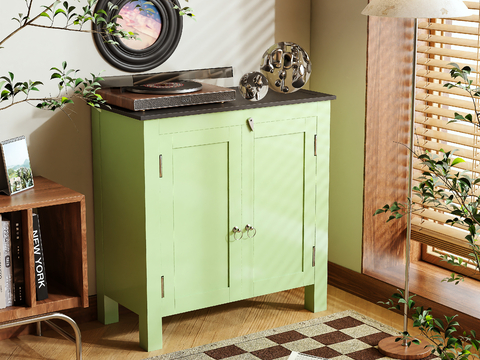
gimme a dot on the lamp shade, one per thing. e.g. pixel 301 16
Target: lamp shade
pixel 417 8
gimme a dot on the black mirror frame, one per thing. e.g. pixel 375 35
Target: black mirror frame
pixel 127 59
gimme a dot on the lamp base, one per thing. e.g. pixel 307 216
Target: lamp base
pixel 395 349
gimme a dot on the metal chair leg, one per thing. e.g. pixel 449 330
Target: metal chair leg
pixel 47 317
pixel 39 328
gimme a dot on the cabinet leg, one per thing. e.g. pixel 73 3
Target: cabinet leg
pixel 107 310
pixel 150 332
pixel 316 298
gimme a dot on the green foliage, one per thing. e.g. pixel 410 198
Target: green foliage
pixel 397 299
pixel 464 83
pixel 397 210
pixel 67 80
pixel 11 88
pixel 62 15
pixel 447 189
pixel 185 11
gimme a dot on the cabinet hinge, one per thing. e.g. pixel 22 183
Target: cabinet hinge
pixel 160 166
pixel 162 281
pixel 313 256
pixel 315 145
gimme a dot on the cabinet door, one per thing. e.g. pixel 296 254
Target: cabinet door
pixel 283 202
pixel 201 203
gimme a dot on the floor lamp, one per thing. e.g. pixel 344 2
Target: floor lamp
pixel 413 9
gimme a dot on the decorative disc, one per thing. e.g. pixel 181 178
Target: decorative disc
pixel 166 88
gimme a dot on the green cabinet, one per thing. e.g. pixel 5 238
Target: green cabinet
pixel 200 210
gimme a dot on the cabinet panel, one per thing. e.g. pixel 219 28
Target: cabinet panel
pixel 118 149
pixel 200 218
pixel 205 188
pixel 283 205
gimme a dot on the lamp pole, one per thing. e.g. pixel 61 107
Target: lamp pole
pixel 410 181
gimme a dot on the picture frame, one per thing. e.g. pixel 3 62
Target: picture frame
pixel 15 170
pixel 158 38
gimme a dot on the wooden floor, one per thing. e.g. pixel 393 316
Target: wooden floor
pixel 120 341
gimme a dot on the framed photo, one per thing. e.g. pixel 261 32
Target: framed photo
pixel 15 171
pixel 158 25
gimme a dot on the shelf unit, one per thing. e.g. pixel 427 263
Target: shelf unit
pixel 63 225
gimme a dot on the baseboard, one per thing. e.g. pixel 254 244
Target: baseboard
pixel 361 285
pixel 373 290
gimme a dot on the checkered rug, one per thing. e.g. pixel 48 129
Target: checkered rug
pixel 341 336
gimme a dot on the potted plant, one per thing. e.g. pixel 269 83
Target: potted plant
pixel 452 191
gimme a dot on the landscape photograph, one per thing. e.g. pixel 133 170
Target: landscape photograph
pixel 17 164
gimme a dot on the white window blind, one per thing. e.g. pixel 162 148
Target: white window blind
pixel 440 42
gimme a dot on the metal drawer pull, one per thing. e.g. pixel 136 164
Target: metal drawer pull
pixel 237 230
pixel 249 228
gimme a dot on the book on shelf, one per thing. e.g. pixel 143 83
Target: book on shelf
pixel 7 255
pixel 40 273
pixel 3 304
pixel 17 258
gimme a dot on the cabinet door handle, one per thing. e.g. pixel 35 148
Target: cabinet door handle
pixel 162 284
pixel 235 231
pixel 250 123
pixel 160 165
pixel 249 228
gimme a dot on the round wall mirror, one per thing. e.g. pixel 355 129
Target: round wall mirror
pixel 159 28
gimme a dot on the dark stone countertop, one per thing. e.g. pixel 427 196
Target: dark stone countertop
pixel 272 99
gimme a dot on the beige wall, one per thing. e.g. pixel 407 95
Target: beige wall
pixel 226 33
pixel 338 51
pixel 292 22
